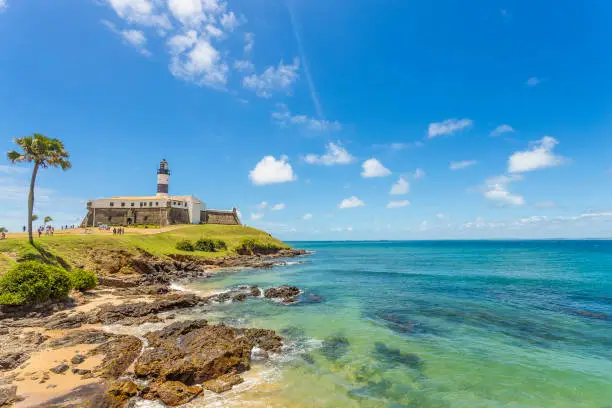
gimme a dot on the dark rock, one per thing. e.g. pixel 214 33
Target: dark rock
pixel 3 331
pixel 223 383
pixel 255 291
pixel 119 353
pixel 267 340
pixel 335 347
pixel 81 337
pixel 80 371
pixel 62 321
pixel 239 297
pixel 9 361
pixel 113 313
pixel 59 368
pixel 175 393
pixel 86 396
pixel 122 390
pixel 78 359
pixel 286 293
pixel 205 352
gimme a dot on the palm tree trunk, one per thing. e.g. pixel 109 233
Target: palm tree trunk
pixel 31 203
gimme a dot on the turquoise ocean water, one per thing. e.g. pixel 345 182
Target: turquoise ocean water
pixel 435 324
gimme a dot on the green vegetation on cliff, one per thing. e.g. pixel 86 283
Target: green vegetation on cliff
pixel 74 250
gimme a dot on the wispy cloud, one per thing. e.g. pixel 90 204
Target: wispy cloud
pixel 279 79
pixel 501 129
pixel 334 154
pixel 284 118
pixel 398 204
pixel 496 189
pixel 448 127
pixel 533 81
pixel 133 38
pixel 458 165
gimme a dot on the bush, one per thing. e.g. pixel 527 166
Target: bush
pixel 83 280
pixel 185 245
pixel 33 282
pixel 210 245
pixel 253 246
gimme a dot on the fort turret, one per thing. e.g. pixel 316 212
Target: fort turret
pixel 163 178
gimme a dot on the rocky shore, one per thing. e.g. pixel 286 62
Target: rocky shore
pixel 66 354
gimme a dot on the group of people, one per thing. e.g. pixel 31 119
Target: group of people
pixel 118 231
pixel 3 235
pixel 48 230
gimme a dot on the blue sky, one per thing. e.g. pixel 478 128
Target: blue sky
pixel 320 120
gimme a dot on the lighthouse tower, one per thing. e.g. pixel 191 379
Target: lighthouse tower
pixel 163 177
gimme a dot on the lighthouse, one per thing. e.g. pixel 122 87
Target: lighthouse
pixel 163 177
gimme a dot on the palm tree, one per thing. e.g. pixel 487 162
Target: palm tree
pixel 34 217
pixel 47 219
pixel 43 152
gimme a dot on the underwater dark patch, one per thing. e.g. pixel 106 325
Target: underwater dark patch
pixel 335 347
pixel 394 357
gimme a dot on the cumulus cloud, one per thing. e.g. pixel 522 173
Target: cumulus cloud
pixel 351 202
pixel 307 216
pixel 270 170
pixel 538 156
pixel 458 165
pixel 398 204
pixel 401 187
pixel 374 168
pixel 249 42
pixel 278 207
pixel 256 216
pixel 197 61
pixel 440 216
pixel 501 129
pixel 533 81
pixel 496 189
pixel 133 38
pixel 284 118
pixel 334 154
pixel 273 79
pixel 143 12
pixel 419 174
pixel 447 127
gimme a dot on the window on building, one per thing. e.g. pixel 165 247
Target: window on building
pixel 146 217
pixel 110 218
pixel 185 204
pixel 123 204
pixel 132 204
pixel 151 204
pixel 157 204
pixel 111 204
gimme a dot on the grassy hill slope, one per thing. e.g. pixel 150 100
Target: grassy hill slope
pixel 75 248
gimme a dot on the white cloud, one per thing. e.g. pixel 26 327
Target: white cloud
pixel 533 81
pixel 269 170
pixel 262 206
pixel 3 5
pixel 447 127
pixel 274 79
pixel 419 174
pixel 401 187
pixel 334 154
pixel 284 118
pixel 199 61
pixel 244 65
pixel 351 202
pixel 249 42
pixel 133 38
pixel 501 129
pixel 229 21
pixel 462 164
pixel 214 31
pixel 256 216
pixel 374 168
pixel 440 216
pixel 397 146
pixel 496 189
pixel 278 207
pixel 538 156
pixel 307 216
pixel 188 12
pixel 398 204
pixel 143 12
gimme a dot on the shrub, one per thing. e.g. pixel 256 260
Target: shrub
pixel 83 280
pixel 185 245
pixel 210 245
pixel 253 246
pixel 33 282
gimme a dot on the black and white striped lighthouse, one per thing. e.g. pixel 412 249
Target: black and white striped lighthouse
pixel 163 177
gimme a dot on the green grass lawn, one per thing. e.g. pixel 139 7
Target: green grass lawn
pixel 73 248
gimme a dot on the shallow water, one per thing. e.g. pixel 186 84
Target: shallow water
pixel 432 325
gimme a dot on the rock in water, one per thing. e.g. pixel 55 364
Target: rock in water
pixel 223 383
pixel 175 393
pixel 194 352
pixel 286 293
